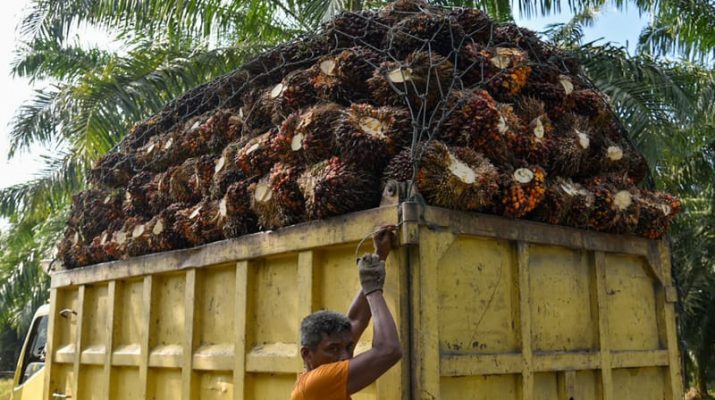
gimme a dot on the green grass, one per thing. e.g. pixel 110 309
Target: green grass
pixel 5 389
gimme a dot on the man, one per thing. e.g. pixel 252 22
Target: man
pixel 328 338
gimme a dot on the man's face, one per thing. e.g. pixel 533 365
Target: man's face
pixel 331 348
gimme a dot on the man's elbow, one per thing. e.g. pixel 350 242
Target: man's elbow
pixel 392 354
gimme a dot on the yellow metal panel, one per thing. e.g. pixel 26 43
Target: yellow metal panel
pixel 66 323
pixel 168 312
pixel 562 318
pixel 124 384
pixel 164 383
pixel 269 386
pixel 631 304
pixel 32 389
pixel 639 383
pixel 239 357
pixel 215 386
pixel 215 314
pixel 546 386
pixel 187 371
pixel 127 329
pixel 61 380
pixel 274 312
pixel 91 383
pixel 484 387
pixel 94 325
pixel 476 297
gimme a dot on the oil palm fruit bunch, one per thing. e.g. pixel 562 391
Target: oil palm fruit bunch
pixel 93 210
pixel 424 32
pixel 72 249
pixel 226 171
pixel 314 134
pixel 347 29
pixel 565 203
pixel 535 142
pixel 201 223
pixel 522 189
pixel 510 35
pixel 190 182
pixel 615 210
pixel 657 211
pixel 236 206
pixel 368 136
pixel 402 167
pixel 294 92
pixel 503 71
pixel 476 25
pixel 587 102
pixel 255 158
pixel 276 199
pixel 622 159
pixel 341 78
pixel 221 128
pixel 333 187
pixel 421 80
pixel 456 177
pixel 255 111
pixel 575 149
pixel 113 170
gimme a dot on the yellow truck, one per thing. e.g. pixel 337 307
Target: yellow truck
pixel 488 308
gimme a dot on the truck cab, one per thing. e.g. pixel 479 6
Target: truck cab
pixel 30 372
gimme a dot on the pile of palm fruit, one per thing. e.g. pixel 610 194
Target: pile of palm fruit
pixel 477 115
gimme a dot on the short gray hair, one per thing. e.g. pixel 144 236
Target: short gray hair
pixel 322 322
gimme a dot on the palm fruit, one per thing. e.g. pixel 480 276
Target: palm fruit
pixel 657 211
pixel 503 71
pixel 565 203
pixel 226 171
pixel 236 206
pixel 527 139
pixel 456 177
pixel 402 167
pixel 157 234
pixel 614 210
pixel 191 180
pixel 276 199
pixel 341 78
pixel 617 158
pixel 575 150
pixel 424 32
pixel 397 10
pixel 473 121
pixel 510 35
pixel 221 128
pixel 587 102
pixel 255 158
pixel 93 210
pixel 200 224
pixel 72 250
pixel 113 170
pixel 333 187
pixel 348 29
pixel 287 144
pixel 292 93
pixel 314 135
pixel 255 112
pixel 368 136
pixel 475 24
pixel 421 81
pixel 522 190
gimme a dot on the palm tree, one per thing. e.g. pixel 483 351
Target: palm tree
pixel 167 47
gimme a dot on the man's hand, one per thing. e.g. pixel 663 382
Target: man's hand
pixel 382 241
pixel 372 273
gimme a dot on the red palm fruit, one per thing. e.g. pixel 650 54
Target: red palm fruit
pixel 616 158
pixel 341 78
pixel 237 200
pixel 456 177
pixel 72 250
pixel 657 211
pixel 368 136
pixel 93 210
pixel 523 189
pixel 240 225
pixel 226 171
pixel 349 29
pixel 575 149
pixel 586 102
pixel 255 158
pixel 182 183
pixel 529 139
pixel 157 234
pixel 401 167
pixel 315 133
pixel 276 199
pixel 510 35
pixel 287 144
pixel 113 170
pixel 255 113
pixel 565 203
pixel 200 224
pixel 221 128
pixel 503 71
pixel 421 80
pixel 333 187
pixel 614 210
pixel 424 32
pixel 475 24
pixel 294 92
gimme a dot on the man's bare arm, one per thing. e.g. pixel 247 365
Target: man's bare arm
pixel 386 350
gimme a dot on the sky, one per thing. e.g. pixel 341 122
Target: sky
pixel 620 27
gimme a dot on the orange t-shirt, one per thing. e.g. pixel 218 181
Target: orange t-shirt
pixel 327 382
